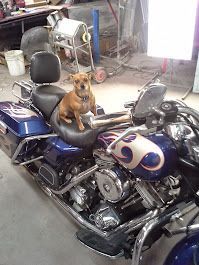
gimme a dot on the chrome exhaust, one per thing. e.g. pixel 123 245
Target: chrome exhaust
pixel 126 227
pixel 146 222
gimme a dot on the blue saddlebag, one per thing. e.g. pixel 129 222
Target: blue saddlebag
pixel 17 123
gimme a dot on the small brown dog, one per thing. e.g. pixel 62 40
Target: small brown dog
pixel 78 101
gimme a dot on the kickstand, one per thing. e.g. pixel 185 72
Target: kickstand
pixel 187 93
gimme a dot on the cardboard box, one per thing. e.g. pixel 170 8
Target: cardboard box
pixel 31 3
pixel 55 2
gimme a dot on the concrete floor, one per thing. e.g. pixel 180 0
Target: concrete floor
pixel 33 230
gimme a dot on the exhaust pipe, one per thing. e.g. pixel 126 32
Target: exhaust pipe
pixel 126 227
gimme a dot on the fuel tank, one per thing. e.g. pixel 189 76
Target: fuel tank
pixel 149 158
pixel 16 123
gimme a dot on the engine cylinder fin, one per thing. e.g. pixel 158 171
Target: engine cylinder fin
pixel 135 194
pixel 129 203
pixel 150 197
pixel 76 180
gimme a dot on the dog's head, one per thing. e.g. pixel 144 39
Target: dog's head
pixel 81 82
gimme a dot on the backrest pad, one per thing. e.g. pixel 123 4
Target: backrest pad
pixel 45 67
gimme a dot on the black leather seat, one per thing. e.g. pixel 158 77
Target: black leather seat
pixel 46 98
pixel 45 68
pixel 71 134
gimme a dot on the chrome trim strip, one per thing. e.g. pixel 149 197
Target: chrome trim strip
pixel 3 128
pixel 31 160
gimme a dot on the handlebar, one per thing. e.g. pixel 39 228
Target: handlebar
pixel 138 129
pixel 111 119
pixel 115 118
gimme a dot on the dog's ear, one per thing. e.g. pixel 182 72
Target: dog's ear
pixel 70 77
pixel 91 76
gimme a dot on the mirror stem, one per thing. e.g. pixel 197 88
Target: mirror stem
pixel 161 114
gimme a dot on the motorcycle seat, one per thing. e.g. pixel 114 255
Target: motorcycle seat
pixel 70 133
pixel 45 69
pixel 46 98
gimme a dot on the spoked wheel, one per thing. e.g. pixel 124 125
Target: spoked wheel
pixel 100 75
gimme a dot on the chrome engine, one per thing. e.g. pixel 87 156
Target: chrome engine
pixel 106 217
pixel 82 195
pixel 122 195
pixel 158 194
pixel 113 184
pixel 112 196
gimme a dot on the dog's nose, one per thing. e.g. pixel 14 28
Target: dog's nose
pixel 82 86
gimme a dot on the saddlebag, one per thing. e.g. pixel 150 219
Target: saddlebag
pixel 17 123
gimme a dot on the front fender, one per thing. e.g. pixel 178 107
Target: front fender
pixel 185 252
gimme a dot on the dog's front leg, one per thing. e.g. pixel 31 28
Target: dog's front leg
pixel 94 110
pixel 79 122
pixel 63 116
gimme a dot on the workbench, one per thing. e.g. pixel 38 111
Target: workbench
pixel 21 19
pixel 13 27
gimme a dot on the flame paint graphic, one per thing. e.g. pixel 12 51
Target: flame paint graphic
pixel 18 111
pixel 135 150
pixel 127 155
pixel 154 160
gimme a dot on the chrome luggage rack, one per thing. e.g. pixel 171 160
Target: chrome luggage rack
pixel 26 88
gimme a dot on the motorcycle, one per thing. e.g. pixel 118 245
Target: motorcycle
pixel 123 178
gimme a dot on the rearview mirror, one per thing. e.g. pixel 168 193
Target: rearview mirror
pixel 150 97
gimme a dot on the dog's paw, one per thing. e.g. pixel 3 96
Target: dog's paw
pixel 81 127
pixel 68 120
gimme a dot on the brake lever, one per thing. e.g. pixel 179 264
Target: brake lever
pixel 143 130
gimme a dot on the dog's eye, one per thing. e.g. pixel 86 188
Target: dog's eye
pixel 85 79
pixel 76 81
